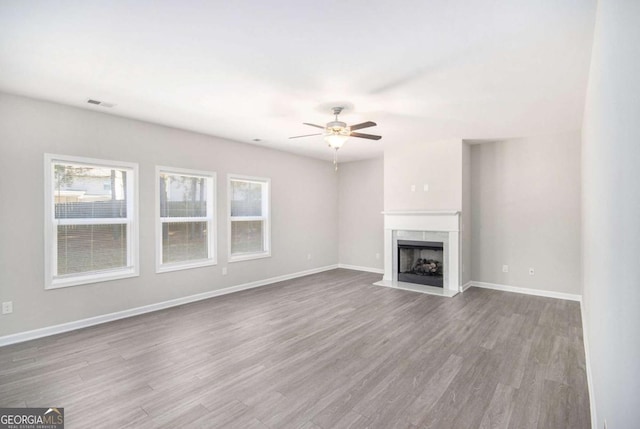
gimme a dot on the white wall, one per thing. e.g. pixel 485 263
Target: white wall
pixel 525 208
pixel 360 205
pixel 611 214
pixel 436 163
pixel 466 217
pixel 304 209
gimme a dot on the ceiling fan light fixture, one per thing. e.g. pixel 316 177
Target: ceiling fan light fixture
pixel 336 137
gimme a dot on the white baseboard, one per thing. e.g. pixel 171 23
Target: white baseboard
pixel 358 268
pixel 587 363
pixel 527 291
pixel 465 286
pixel 84 323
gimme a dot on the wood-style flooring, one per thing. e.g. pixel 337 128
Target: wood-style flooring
pixel 324 351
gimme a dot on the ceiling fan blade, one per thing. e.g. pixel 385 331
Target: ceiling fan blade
pixel 306 135
pixel 363 125
pixel 313 125
pixel 365 136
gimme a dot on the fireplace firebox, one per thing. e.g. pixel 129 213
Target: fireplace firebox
pixel 421 262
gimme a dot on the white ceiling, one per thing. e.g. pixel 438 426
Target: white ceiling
pixel 258 69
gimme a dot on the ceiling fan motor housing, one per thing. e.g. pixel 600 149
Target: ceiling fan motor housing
pixel 337 127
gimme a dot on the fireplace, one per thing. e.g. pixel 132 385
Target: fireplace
pixel 422 251
pixel 421 262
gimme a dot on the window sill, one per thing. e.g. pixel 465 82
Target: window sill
pixel 178 266
pixel 248 256
pixel 83 279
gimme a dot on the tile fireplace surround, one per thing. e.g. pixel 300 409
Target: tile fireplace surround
pixel 441 226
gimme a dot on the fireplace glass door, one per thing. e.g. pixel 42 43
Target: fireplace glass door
pixel 421 262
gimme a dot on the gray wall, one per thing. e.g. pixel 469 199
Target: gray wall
pixel 466 217
pixel 525 205
pixel 361 224
pixel 611 214
pixel 436 163
pixel 304 209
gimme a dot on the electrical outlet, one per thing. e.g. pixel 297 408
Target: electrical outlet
pixel 505 268
pixel 309 257
pixel 224 271
pixel 425 187
pixel 7 307
pixel 377 256
pixel 531 271
pixel 413 188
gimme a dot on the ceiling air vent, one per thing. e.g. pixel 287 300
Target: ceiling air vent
pixel 100 103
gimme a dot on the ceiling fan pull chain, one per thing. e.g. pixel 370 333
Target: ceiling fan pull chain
pixel 335 159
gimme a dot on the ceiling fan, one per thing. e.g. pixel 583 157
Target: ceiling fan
pixel 337 132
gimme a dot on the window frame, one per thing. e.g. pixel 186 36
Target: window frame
pixel 132 269
pixel 265 218
pixel 211 220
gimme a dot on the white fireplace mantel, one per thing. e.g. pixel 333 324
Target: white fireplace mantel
pixel 441 220
pixel 420 212
pixel 446 223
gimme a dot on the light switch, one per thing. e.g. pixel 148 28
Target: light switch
pixel 426 187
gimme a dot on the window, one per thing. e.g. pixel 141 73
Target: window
pixel 90 231
pixel 249 229
pixel 185 207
